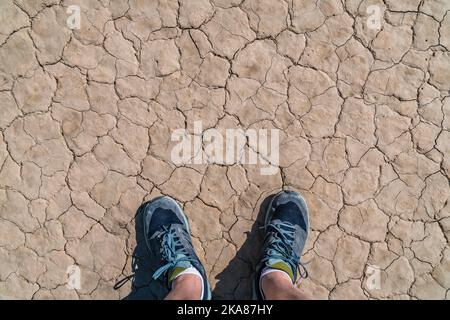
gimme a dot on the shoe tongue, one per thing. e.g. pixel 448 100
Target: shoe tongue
pixel 179 267
pixel 281 265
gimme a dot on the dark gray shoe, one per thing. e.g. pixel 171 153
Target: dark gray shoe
pixel 287 227
pixel 166 232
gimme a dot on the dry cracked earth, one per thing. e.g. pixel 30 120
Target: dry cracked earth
pixel 87 116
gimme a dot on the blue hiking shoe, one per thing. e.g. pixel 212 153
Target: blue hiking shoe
pixel 287 226
pixel 166 232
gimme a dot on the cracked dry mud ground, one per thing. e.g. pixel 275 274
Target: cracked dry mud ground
pixel 86 118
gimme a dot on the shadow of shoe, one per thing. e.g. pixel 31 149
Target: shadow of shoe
pixel 143 287
pixel 235 281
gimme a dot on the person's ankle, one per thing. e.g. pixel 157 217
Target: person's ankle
pixel 187 287
pixel 275 285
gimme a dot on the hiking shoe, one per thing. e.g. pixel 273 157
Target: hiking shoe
pixel 166 232
pixel 286 225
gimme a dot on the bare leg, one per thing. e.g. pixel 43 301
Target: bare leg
pixel 185 287
pixel 277 286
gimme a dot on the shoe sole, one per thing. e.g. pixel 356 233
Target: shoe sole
pixel 185 220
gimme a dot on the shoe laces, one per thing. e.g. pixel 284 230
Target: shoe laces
pixel 122 281
pixel 172 250
pixel 281 246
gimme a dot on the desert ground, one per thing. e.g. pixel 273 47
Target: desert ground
pixel 92 91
